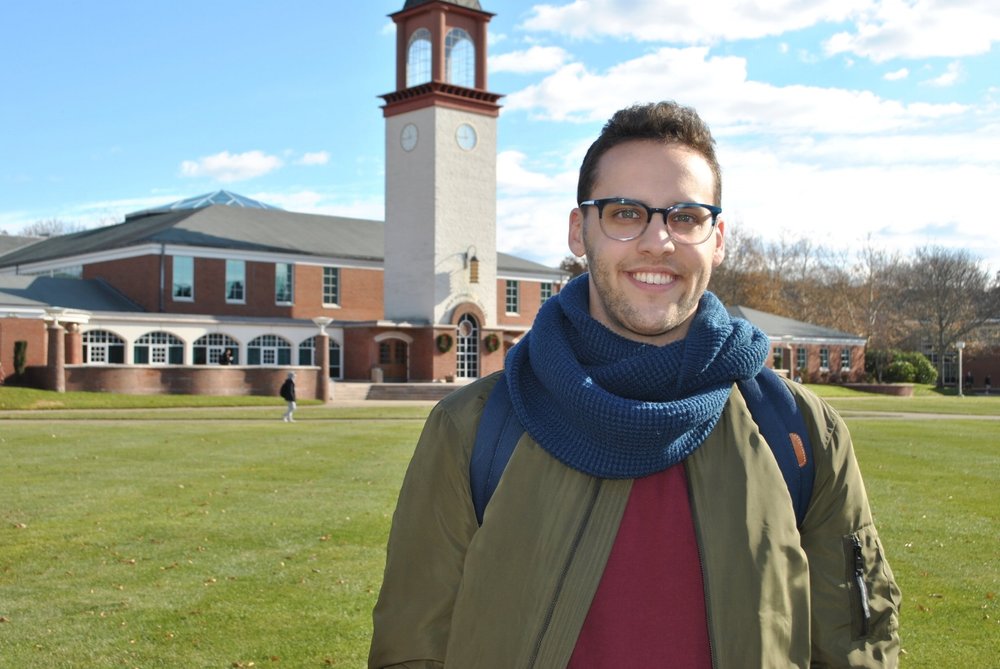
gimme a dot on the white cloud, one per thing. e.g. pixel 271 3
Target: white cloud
pixel 775 196
pixel 326 203
pixel 881 29
pixel 721 91
pixel 890 29
pixel 685 22
pixel 950 76
pixel 228 167
pixel 833 192
pixel 897 75
pixel 535 59
pixel 314 158
pixel 512 174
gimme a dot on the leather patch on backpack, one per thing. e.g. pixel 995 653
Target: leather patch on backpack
pixel 800 449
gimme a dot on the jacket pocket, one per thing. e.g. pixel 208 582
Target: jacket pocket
pixel 874 595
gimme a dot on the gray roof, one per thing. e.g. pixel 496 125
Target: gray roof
pixel 777 327
pixel 219 226
pixel 505 261
pixel 20 291
pixel 238 227
pixel 201 201
pixel 10 242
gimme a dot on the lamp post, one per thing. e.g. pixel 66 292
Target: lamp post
pixel 324 391
pixel 960 345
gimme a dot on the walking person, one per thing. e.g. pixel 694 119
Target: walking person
pixel 287 393
pixel 642 520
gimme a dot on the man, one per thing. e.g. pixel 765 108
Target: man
pixel 287 393
pixel 640 522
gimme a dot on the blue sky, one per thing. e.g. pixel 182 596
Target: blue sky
pixel 837 120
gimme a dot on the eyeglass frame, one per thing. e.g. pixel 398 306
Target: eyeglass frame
pixel 600 203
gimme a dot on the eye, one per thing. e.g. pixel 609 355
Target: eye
pixel 625 211
pixel 688 216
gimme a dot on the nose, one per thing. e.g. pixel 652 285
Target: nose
pixel 655 239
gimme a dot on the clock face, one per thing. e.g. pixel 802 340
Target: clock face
pixel 466 136
pixel 408 137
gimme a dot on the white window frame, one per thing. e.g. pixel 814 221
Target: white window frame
pixel 188 260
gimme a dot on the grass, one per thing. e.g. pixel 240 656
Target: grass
pixel 16 398
pixel 222 537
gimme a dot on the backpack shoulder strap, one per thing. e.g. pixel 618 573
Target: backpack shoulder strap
pixel 777 415
pixel 772 407
pixel 498 433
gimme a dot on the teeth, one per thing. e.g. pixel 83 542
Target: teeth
pixel 653 278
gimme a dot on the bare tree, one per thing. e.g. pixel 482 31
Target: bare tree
pixel 51 227
pixel 880 305
pixel 744 259
pixel 949 295
pixel 575 266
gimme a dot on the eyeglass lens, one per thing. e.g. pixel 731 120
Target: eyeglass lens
pixel 626 219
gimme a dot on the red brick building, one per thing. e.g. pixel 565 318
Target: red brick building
pixel 421 296
pixel 178 285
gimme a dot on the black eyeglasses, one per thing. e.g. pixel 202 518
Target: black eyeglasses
pixel 623 219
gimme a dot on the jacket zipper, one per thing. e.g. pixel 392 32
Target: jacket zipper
pixel 563 573
pixel 859 581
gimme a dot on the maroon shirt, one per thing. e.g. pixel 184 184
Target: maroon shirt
pixel 649 609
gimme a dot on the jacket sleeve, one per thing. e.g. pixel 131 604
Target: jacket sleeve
pixel 432 526
pixel 854 597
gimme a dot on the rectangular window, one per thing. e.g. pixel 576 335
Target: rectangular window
pixel 845 359
pixel 283 283
pixel 800 358
pixel 236 277
pixel 824 358
pixel 513 294
pixel 778 357
pixel 183 278
pixel 331 285
pixel 546 291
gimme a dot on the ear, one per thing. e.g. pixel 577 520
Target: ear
pixel 720 243
pixel 576 244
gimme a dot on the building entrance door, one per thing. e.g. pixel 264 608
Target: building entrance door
pixel 394 358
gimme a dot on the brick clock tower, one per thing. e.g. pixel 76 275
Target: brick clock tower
pixel 440 188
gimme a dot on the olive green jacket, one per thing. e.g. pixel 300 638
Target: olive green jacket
pixel 514 593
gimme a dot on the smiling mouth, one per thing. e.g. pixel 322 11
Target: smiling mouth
pixel 653 278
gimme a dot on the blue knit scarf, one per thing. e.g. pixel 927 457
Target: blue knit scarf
pixel 615 408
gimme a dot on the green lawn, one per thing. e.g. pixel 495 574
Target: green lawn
pixel 225 538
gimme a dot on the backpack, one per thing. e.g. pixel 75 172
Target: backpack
pixel 772 407
pixel 286 391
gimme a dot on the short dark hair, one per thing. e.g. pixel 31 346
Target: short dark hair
pixel 666 122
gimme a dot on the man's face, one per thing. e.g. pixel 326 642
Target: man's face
pixel 647 289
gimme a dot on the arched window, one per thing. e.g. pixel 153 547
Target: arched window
pixel 208 349
pixel 307 356
pixel 460 58
pixel 101 347
pixel 467 348
pixel 158 348
pixel 418 58
pixel 269 350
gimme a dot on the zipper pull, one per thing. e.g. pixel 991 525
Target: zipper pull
pixel 859 580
